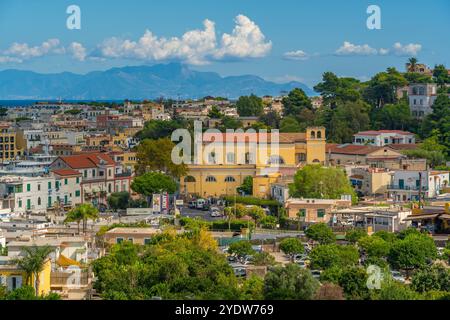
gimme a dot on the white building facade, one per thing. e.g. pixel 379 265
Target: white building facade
pixel 381 138
pixel 405 184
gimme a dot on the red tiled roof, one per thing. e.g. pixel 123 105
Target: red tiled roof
pixel 403 146
pixel 66 172
pixel 351 149
pixel 377 132
pixel 88 160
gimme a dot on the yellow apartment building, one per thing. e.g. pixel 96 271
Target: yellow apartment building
pixel 12 143
pixel 219 171
pixel 12 277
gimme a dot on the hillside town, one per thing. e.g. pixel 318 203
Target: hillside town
pixel 361 179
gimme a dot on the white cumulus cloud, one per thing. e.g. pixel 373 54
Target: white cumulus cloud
pixel 350 49
pixel 296 55
pixel 78 51
pixel 246 41
pixel 24 51
pixel 194 47
pixel 354 49
pixel 411 49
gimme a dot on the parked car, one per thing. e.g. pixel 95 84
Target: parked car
pixel 396 275
pixel 192 204
pixel 200 203
pixel 240 271
pixel 302 264
pixel 316 273
pixel 257 248
pixel 299 257
pixel 307 247
pixel 215 214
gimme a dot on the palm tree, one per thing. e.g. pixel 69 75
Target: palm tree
pixel 74 216
pixel 83 212
pixel 230 214
pixel 412 64
pixel 33 262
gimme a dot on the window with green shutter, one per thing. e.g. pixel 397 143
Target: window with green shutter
pixel 49 202
pixel 65 181
pixel 20 203
pixel 49 184
pixel 302 212
pixel 320 213
pixel 78 179
pixel 28 204
pixel 28 187
pixel 77 193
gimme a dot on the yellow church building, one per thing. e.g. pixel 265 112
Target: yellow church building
pixel 266 158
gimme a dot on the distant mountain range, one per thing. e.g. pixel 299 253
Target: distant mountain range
pixel 171 80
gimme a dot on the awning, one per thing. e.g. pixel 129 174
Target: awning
pixel 444 216
pixel 421 217
pixel 63 261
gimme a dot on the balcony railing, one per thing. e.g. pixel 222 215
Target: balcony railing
pixel 408 188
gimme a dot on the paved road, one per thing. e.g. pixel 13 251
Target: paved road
pixel 186 212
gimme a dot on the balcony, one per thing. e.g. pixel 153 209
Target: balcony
pixel 406 188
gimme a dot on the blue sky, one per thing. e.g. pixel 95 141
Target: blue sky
pixel 259 35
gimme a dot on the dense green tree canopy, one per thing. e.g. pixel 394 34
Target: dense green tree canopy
pixel 157 129
pixel 290 283
pixel 291 247
pixel 414 251
pixel 157 155
pixel 296 102
pixel 173 267
pixel 315 181
pixel 119 200
pixel 382 88
pixel 250 106
pixel 153 182
pixel 321 233
pixel 332 255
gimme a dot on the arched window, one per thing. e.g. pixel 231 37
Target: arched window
pixel 189 179
pixel 316 161
pixel 39 201
pixel 211 179
pixel 313 134
pixel 274 159
pixel 230 179
pixel 319 134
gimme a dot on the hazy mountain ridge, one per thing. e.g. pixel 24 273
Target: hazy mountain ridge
pixel 139 82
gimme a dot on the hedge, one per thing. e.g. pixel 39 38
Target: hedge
pixel 253 201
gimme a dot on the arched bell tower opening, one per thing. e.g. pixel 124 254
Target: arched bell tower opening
pixel 315 145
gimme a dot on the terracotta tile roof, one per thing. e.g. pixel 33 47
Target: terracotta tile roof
pixel 377 132
pixel 352 149
pixel 403 146
pixel 87 160
pixel 283 137
pixel 66 172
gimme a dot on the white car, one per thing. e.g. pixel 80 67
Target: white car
pixel 396 275
pixel 316 273
pixel 300 257
pixel 215 214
